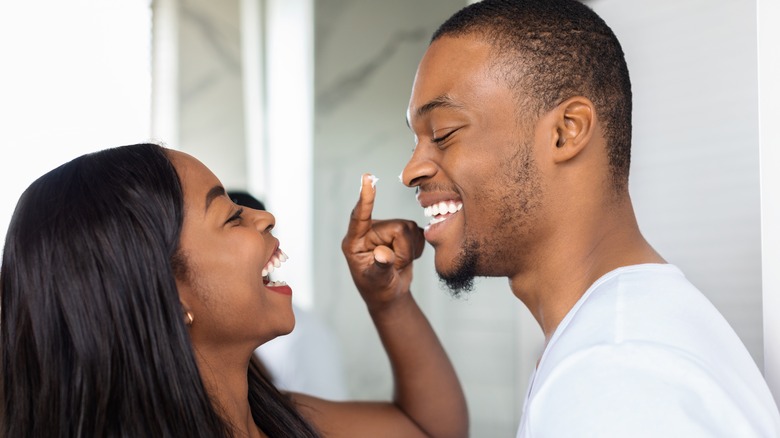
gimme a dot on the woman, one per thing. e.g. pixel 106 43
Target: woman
pixel 134 292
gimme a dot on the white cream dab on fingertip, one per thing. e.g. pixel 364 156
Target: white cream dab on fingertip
pixel 374 180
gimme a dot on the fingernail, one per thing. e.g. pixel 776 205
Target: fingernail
pixel 361 182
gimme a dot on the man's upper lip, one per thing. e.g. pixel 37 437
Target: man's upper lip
pixel 429 198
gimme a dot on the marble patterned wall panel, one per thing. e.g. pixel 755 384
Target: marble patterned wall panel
pixel 366 55
pixel 210 87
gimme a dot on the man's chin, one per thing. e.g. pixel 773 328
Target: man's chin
pixel 457 285
pixel 457 273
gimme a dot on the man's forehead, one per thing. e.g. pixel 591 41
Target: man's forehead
pixel 453 83
pixel 448 53
pixel 440 73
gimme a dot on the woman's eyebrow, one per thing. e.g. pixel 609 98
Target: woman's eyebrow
pixel 214 193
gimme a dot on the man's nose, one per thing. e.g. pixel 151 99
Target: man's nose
pixel 419 168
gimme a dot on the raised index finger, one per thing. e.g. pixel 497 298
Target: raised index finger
pixel 360 219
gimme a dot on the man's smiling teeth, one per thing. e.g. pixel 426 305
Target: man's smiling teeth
pixel 439 211
pixel 277 259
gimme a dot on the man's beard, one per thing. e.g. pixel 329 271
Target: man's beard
pixel 516 207
pixel 461 278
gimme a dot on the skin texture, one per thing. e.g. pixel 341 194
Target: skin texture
pixel 536 189
pixel 234 312
pixel 428 400
pixel 484 161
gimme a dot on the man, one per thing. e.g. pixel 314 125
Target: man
pixel 521 112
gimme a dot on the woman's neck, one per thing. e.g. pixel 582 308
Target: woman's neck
pixel 226 383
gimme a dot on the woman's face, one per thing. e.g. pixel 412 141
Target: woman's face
pixel 228 250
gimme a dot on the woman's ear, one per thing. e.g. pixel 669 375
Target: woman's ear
pixel 574 126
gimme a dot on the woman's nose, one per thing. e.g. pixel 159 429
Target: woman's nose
pixel 263 220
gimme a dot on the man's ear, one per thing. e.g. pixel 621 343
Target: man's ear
pixel 574 126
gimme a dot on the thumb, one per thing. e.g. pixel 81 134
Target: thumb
pixel 384 256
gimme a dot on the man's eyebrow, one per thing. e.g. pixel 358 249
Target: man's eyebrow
pixel 443 101
pixel 214 193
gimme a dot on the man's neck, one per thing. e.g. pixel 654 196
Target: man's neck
pixel 573 261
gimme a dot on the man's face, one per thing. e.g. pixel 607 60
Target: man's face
pixel 474 164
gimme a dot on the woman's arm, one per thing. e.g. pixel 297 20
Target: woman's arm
pixel 428 399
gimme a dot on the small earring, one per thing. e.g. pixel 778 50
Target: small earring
pixel 190 318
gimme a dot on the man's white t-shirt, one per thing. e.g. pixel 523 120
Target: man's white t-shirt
pixel 643 353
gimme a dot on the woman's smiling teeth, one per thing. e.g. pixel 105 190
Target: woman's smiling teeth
pixel 276 260
pixel 441 211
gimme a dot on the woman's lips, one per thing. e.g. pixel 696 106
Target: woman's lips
pixel 277 258
pixel 279 287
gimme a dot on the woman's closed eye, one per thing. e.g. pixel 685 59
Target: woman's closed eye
pixel 236 217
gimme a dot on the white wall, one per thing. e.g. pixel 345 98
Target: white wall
pixel 769 113
pixel 74 79
pixel 695 171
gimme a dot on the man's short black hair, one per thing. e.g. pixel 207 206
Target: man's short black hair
pixel 244 199
pixel 551 50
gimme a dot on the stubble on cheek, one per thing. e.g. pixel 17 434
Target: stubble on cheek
pixel 517 202
pixel 524 176
pixel 490 251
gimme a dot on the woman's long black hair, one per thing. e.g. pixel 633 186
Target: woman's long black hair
pixel 92 333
